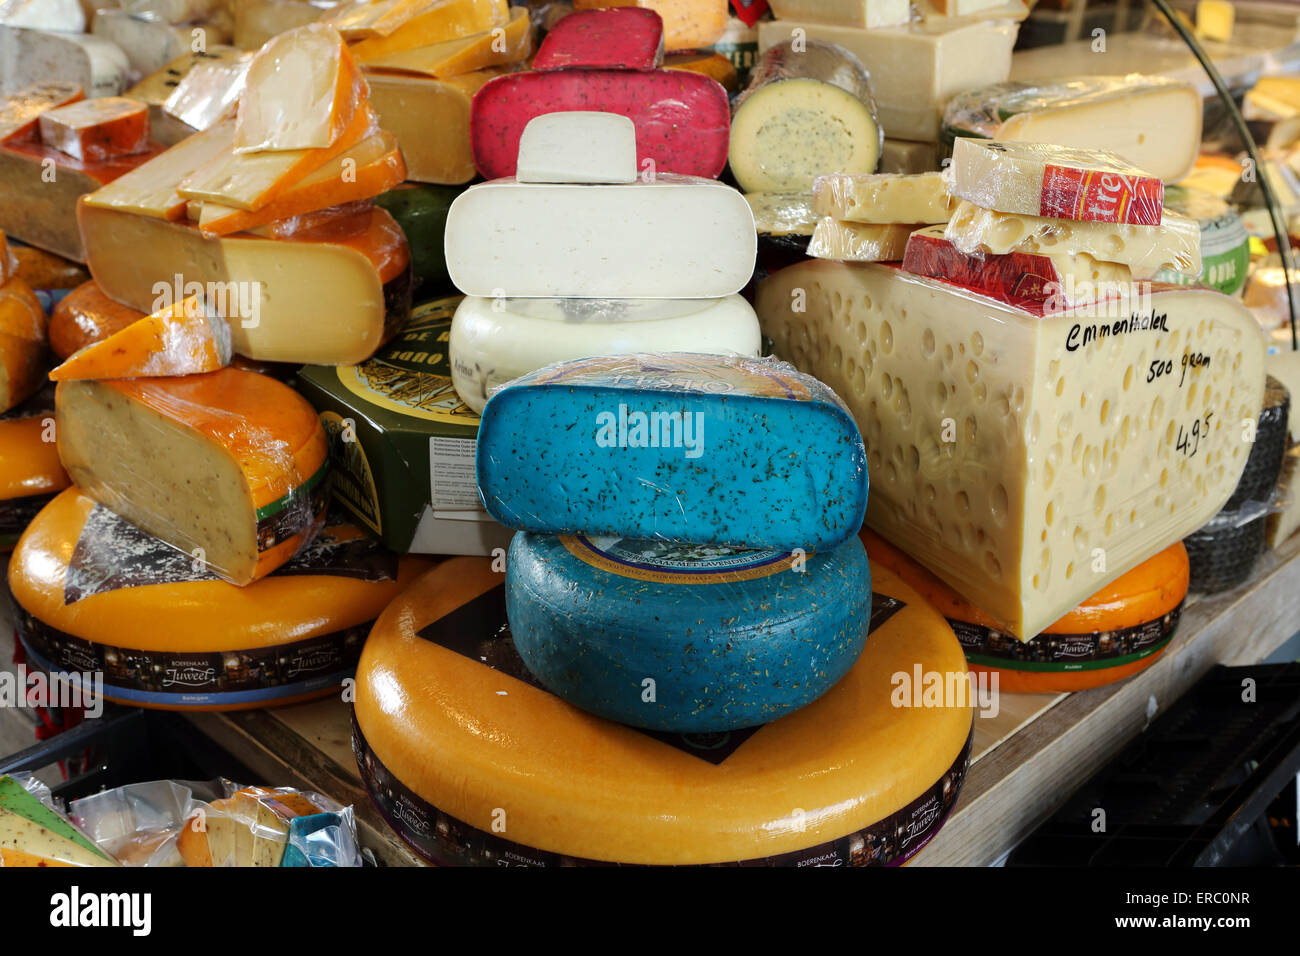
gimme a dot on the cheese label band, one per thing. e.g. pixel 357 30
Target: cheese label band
pixel 987 647
pixel 681 564
pixel 1091 196
pixel 293 513
pixel 16 514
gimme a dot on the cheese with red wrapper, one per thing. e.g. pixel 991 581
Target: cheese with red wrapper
pixel 21 112
pixel 97 130
pixel 627 38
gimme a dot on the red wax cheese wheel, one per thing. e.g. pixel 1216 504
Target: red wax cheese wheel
pixel 30 471
pixel 96 594
pixel 454 738
pixel 683 120
pixel 629 38
pixel 1117 632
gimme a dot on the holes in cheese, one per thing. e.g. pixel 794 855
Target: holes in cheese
pixel 494 341
pixel 859 242
pixel 1116 632
pixel 503 44
pixel 97 130
pixel 577 147
pixel 1026 458
pixel 23 337
pixel 301 91
pixel 429 24
pixel 1175 244
pixel 228 467
pixel 782 214
pixel 185 338
pixel 626 38
pixel 883 198
pixel 688 24
pixel 85 316
pixel 96 593
pixel 666 446
pixel 546 239
pixel 805 113
pixel 859 768
pixel 20 112
pixel 578 614
pixel 864 14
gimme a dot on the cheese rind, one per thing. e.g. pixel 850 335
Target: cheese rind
pixel 577 147
pixel 97 130
pixel 624 38
pixel 864 14
pixel 85 316
pixel 688 24
pixel 431 120
pixel 1027 459
pixel 20 112
pixel 95 65
pixel 860 242
pixel 23 336
pixel 883 198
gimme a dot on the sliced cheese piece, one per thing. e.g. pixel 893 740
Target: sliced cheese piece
pixel 150 189
pixel 85 316
pixel 807 111
pixel 17 858
pixel 149 44
pixel 353 277
pixel 221 466
pixel 859 242
pixel 14 797
pixel 1215 19
pixel 494 341
pixel 301 92
pixel 782 214
pixel 371 167
pixel 209 92
pixel 505 44
pixel 97 130
pixel 914 69
pixel 263 836
pixel 20 112
pixel 577 147
pixel 251 180
pixel 1174 244
pixel 883 197
pixel 1035 179
pixel 688 24
pixel 864 14
pixel 1027 459
pixel 23 335
pixel 900 156
pixel 98 67
pixel 440 22
pixel 356 19
pixel 17 833
pixel 205 100
pixel 601 241
pixel 186 338
pixel 627 38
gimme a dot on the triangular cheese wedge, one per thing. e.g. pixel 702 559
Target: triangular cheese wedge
pixel 448 20
pixel 185 338
pixel 27 836
pixel 15 797
pixel 455 57
pixel 301 91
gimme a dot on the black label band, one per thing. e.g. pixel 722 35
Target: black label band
pixel 987 647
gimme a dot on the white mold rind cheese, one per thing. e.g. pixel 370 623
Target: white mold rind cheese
pixel 1027 459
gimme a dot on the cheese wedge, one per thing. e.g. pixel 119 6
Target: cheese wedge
pixel 23 331
pixel 21 112
pixel 150 189
pixel 364 18
pixel 900 156
pixel 96 66
pixel 31 839
pixel 97 130
pixel 14 797
pixel 85 316
pixel 227 467
pixel 577 147
pixel 17 858
pixel 440 22
pixel 883 197
pixel 688 24
pixel 301 92
pixel 508 44
pixel 859 242
pixel 1027 459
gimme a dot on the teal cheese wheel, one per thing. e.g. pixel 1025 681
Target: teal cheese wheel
pixel 685 638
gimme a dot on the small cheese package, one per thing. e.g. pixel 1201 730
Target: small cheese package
pixel 34 834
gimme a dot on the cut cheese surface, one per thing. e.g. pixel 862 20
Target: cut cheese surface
pixel 227 466
pixel 84 316
pixel 1175 244
pixel 901 156
pixel 688 24
pixel 20 112
pixel 430 682
pixel 807 111
pixel 186 338
pixel 628 38
pixel 541 239
pixel 97 130
pixel 578 147
pixel 150 189
pixel 1027 459
pixel 301 92
pixel 17 799
pixel 883 198
pixel 504 44
pixel 96 66
pixel 437 23
pixel 859 242
pixel 149 44
pixel 27 839
pixel 864 14
pixel 495 341
pixel 23 337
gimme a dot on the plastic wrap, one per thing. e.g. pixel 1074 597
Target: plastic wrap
pixel 989 426
pixel 23 338
pixel 883 198
pixel 682 119
pixel 872 781
pixel 859 242
pixel 688 24
pixel 1225 243
pixel 34 834
pixel 20 112
pixel 1036 179
pixel 621 38
pixel 209 92
pixel 494 341
pixel 139 446
pixel 84 316
pixel 782 214
pixel 806 111
pixel 1223 553
pixel 97 130
pixel 1264 463
pixel 669 447
pixel 1175 244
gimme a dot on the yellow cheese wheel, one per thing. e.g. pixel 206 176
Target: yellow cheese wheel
pixel 30 471
pixel 473 763
pixel 96 594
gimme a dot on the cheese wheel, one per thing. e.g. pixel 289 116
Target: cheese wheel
pixel 472 763
pixel 494 341
pixel 683 638
pixel 85 316
pixel 629 38
pixel 1118 631
pixel 96 594
pixel 97 130
pixel 688 24
pixel 30 470
pixel 228 466
pixel 23 336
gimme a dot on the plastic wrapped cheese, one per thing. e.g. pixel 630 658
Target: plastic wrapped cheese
pixel 209 91
pixel 97 130
pixel 807 111
pixel 859 242
pixel 783 214
pixel 883 198
pixel 627 38
pixel 20 112
pixel 84 316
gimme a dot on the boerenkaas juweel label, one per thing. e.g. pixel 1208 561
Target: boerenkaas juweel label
pixel 676 447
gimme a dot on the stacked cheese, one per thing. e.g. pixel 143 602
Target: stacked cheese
pixel 869 218
pixel 257 826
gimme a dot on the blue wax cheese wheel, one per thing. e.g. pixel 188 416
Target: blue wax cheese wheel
pixel 473 763
pixel 685 638
pixel 705 449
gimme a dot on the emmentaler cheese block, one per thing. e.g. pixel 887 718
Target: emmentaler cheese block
pixel 96 594
pixel 1027 459
pixel 1116 632
pixel 883 198
pixel 859 242
pixel 452 733
pixel 228 467
pixel 30 470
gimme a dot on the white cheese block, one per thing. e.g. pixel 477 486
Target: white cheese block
pixel 1174 244
pixel 883 198
pixel 914 69
pixel 494 341
pixel 96 65
pixel 900 156
pixel 846 13
pixel 782 214
pixel 860 242
pixel 676 237
pixel 65 16
pixel 149 44
pixel 578 147
pixel 1026 459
